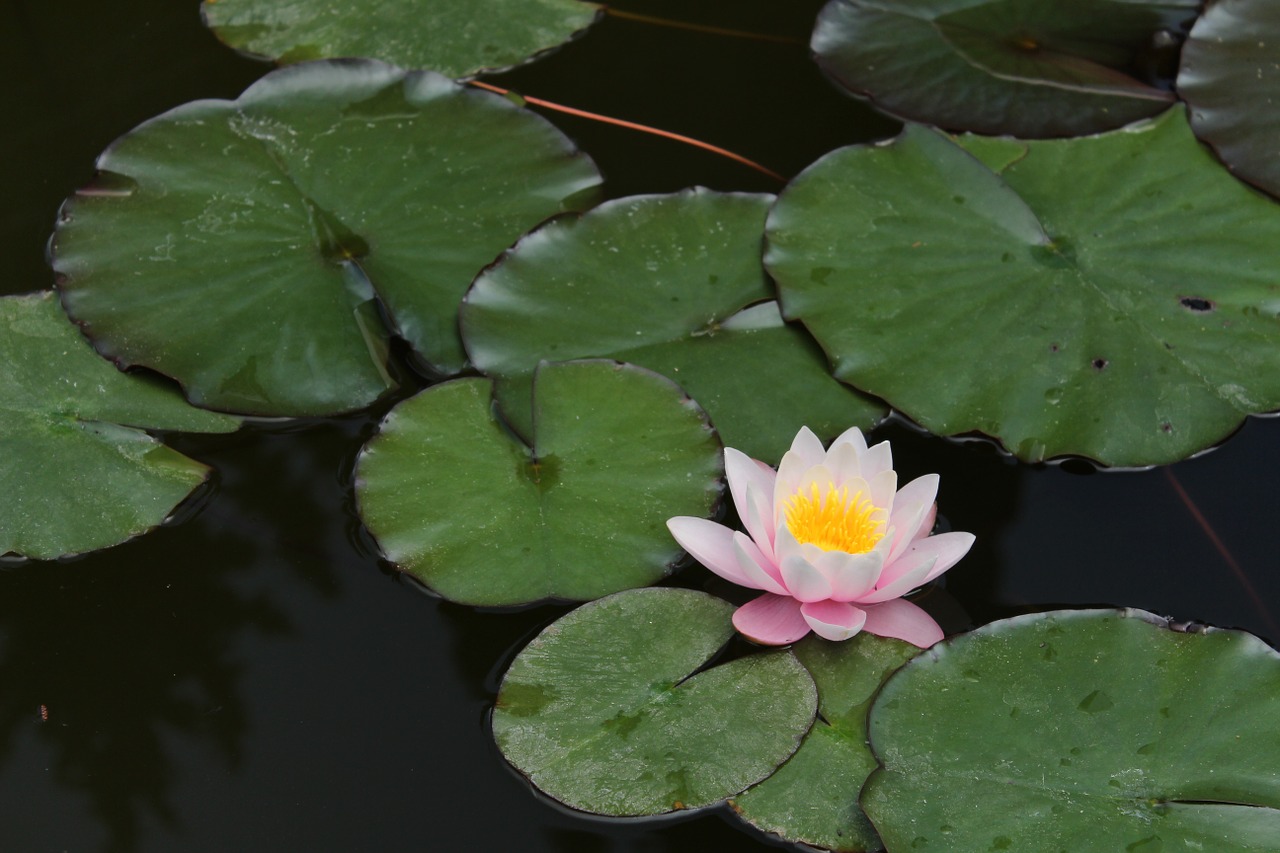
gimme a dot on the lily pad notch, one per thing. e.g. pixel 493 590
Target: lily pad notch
pixel 251 249
pixel 480 517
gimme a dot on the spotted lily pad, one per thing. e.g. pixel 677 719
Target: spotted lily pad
pixel 454 37
pixel 813 798
pixel 482 518
pixel 1031 68
pixel 673 283
pixel 1111 296
pixel 79 473
pixel 250 248
pixel 1230 77
pixel 1080 731
pixel 609 711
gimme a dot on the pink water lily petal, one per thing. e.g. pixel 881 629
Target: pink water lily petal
pixel 773 620
pixel 806 451
pixel 710 544
pixel 757 517
pixel 882 489
pixel 760 572
pixel 923 561
pixel 852 436
pixel 902 620
pixel 833 620
pixel 845 463
pixel 850 575
pixel 911 507
pixel 745 475
pixel 802 579
pixel 876 459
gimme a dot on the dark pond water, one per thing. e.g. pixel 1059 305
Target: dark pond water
pixel 251 678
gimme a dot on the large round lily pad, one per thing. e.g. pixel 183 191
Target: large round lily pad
pixel 1080 731
pixel 78 472
pixel 247 247
pixel 454 37
pixel 604 712
pixel 1112 296
pixel 1031 68
pixel 1230 77
pixel 813 798
pixel 673 283
pixel 482 518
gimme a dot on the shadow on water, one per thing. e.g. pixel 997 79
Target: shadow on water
pixel 109 662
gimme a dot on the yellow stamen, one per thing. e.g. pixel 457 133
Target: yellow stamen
pixel 835 522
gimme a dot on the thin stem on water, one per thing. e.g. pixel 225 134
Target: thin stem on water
pixel 643 128
pixel 1226 555
pixel 698 28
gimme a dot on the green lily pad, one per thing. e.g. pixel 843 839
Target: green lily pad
pixel 1131 319
pixel 455 37
pixel 1031 68
pixel 1080 731
pixel 481 518
pixel 247 248
pixel 1230 77
pixel 79 473
pixel 673 283
pixel 604 712
pixel 813 798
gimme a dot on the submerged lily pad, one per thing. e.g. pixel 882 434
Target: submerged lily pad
pixel 1113 296
pixel 604 712
pixel 1031 68
pixel 1080 731
pixel 248 248
pixel 481 518
pixel 454 37
pixel 79 473
pixel 673 283
pixel 813 798
pixel 1230 77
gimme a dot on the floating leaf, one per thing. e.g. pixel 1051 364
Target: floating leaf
pixel 481 518
pixel 673 283
pixel 246 247
pixel 1080 731
pixel 603 711
pixel 1230 77
pixel 813 798
pixel 454 37
pixel 1131 319
pixel 1031 68
pixel 78 473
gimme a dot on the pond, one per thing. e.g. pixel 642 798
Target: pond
pixel 252 676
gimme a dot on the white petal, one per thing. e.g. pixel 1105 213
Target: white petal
pixel 844 462
pixel 759 571
pixel 758 519
pixel 806 451
pixel 710 544
pixel 876 459
pixel 850 575
pixel 882 489
pixel 746 475
pixel 911 507
pixel 852 436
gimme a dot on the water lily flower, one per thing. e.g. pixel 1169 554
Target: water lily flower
pixel 833 543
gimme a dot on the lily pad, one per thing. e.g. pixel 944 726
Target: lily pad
pixel 481 518
pixel 673 283
pixel 813 798
pixel 1230 77
pixel 455 37
pixel 1080 731
pixel 248 248
pixel 79 473
pixel 1030 68
pixel 609 711
pixel 1131 319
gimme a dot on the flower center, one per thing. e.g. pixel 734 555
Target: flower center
pixel 835 522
